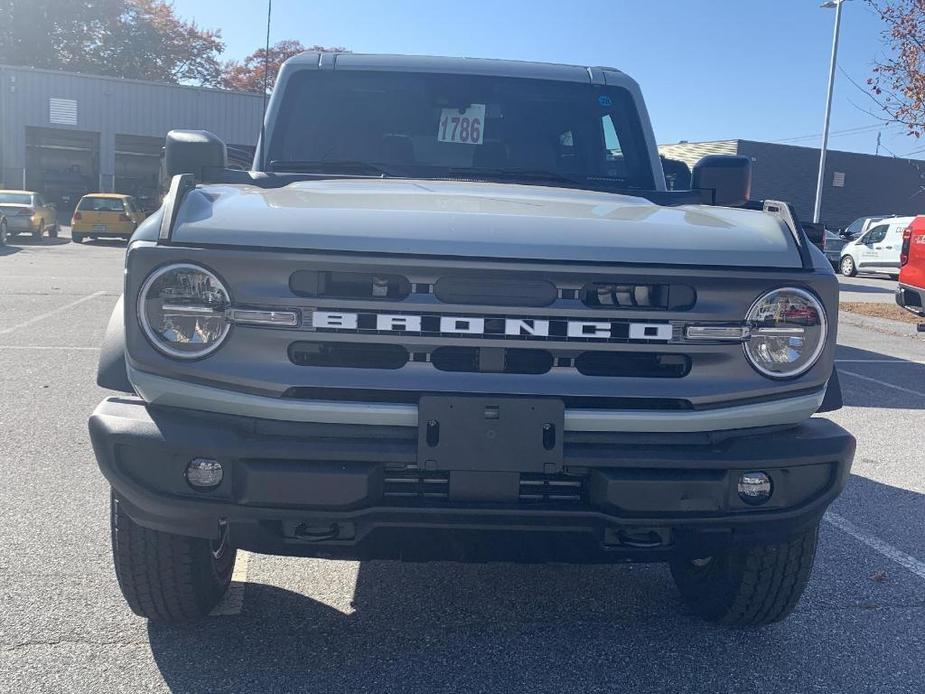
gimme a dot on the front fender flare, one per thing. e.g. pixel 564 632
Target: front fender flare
pixel 111 372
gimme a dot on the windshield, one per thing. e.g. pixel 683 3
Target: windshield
pixel 101 205
pixel 460 126
pixel 15 198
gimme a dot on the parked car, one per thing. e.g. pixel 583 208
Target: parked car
pixel 105 215
pixel 445 323
pixel 861 225
pixel 877 250
pixel 27 212
pixel 910 292
pixel 833 245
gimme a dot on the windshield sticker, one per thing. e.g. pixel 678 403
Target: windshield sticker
pixel 463 127
pixel 605 101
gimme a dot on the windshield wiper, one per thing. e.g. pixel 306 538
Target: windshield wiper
pixel 327 167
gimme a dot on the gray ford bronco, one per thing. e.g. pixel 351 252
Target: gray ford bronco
pixel 454 313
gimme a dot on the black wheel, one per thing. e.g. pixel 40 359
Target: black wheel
pixel 165 577
pixel 3 232
pixel 53 232
pixel 848 268
pixel 748 587
pixel 37 234
pixel 77 238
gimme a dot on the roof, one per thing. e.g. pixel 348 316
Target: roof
pixel 119 196
pixel 445 64
pixel 13 190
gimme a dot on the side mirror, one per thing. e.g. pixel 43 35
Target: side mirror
pixel 194 152
pixel 728 177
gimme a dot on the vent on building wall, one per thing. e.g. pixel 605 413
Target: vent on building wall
pixel 838 180
pixel 62 111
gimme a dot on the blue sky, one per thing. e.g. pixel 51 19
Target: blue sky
pixel 710 69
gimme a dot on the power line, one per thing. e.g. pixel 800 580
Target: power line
pixel 849 131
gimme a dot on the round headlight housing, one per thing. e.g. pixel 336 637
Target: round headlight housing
pixel 787 330
pixel 181 309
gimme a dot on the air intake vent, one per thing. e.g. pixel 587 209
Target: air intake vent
pixel 633 364
pixel 675 297
pixel 482 291
pixel 416 485
pixel 492 360
pixel 349 285
pixel 348 354
pixel 548 489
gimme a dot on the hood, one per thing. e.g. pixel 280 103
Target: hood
pixel 484 220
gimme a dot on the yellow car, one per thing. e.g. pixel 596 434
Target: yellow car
pixel 27 212
pixel 105 215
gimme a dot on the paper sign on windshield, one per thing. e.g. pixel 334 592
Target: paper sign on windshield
pixel 466 127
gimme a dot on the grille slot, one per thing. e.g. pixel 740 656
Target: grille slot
pixel 416 485
pixel 349 285
pixel 492 360
pixel 495 292
pixel 633 364
pixel 348 354
pixel 550 489
pixel 674 297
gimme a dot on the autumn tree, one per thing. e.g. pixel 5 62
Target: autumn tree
pixel 140 39
pixel 250 75
pixel 898 81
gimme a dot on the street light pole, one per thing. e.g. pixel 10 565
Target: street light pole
pixel 817 210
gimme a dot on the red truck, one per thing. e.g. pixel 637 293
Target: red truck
pixel 910 292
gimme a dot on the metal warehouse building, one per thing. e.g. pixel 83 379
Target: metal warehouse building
pixel 856 185
pixel 66 134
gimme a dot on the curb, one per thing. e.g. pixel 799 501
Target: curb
pixel 883 325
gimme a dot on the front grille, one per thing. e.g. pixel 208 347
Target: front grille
pixel 407 486
pixel 550 489
pixel 495 292
pixel 348 354
pixel 416 485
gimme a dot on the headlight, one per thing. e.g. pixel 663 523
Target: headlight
pixel 787 329
pixel 181 309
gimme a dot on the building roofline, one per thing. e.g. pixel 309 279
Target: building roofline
pixel 784 144
pixel 111 78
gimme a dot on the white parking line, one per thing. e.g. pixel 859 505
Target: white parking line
pixel 49 314
pixel 233 601
pixel 880 361
pixel 889 551
pixel 883 383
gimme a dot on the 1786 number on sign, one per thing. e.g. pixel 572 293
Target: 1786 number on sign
pixel 465 127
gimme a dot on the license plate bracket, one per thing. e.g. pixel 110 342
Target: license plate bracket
pixel 490 434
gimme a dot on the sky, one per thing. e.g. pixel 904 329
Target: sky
pixel 709 69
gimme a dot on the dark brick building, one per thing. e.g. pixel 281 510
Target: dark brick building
pixel 856 185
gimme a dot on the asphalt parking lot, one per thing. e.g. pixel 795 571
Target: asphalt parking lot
pixel 328 626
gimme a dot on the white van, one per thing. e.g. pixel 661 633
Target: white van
pixel 876 250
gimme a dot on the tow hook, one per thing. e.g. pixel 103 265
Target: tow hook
pixel 639 538
pixel 319 532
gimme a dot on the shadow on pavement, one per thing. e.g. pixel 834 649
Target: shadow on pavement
pixel 907 377
pixel 867 289
pixel 44 241
pixel 526 628
pixel 9 249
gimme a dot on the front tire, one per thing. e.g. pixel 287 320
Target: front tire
pixel 53 232
pixel 3 233
pixel 848 267
pixel 37 233
pixel 752 586
pixel 165 577
pixel 77 238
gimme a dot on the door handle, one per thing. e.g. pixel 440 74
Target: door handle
pixel 889 248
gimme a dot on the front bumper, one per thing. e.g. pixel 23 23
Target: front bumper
pixel 330 490
pixel 911 298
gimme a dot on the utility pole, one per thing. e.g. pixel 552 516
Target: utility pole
pixel 837 4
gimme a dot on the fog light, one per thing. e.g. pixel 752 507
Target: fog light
pixel 203 473
pixel 754 488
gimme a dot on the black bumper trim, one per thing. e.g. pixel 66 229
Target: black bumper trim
pixel 142 452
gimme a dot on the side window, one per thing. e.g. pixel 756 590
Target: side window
pixel 876 235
